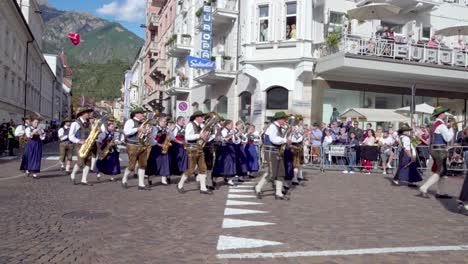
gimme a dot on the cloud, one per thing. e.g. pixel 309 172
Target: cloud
pixel 127 10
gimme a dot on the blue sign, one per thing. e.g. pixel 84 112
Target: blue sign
pixel 194 62
pixel 207 33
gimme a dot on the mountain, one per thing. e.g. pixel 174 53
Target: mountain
pixel 106 50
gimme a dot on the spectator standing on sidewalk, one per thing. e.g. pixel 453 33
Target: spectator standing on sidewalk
pixel 386 151
pixel 327 141
pixel 316 140
pixel 368 141
pixel 353 144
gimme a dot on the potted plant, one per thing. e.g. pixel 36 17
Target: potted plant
pixel 333 41
pixel 171 40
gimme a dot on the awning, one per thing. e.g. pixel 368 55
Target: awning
pixel 373 115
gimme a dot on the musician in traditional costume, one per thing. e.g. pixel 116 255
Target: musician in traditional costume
pixel 209 153
pixel 193 133
pixel 79 132
pixel 275 137
pixel 216 144
pixel 441 134
pixel 179 158
pixel 241 160
pixel 66 146
pixel 92 119
pixel 408 168
pixel 31 161
pixel 226 165
pixel 20 132
pixel 250 150
pixel 297 149
pixel 137 151
pixel 158 161
pixel 108 161
pixel 463 207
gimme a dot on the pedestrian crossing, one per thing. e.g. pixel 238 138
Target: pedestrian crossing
pixel 240 193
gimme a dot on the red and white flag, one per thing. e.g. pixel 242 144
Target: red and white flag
pixel 74 38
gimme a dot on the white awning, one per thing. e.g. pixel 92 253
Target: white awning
pixel 374 115
pixel 66 89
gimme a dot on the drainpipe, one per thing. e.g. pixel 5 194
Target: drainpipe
pixel 53 97
pixel 40 88
pixel 26 76
pixel 237 106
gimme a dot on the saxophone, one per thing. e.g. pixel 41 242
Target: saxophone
pixel 210 123
pixel 288 134
pixel 89 143
pixel 103 154
pixel 167 143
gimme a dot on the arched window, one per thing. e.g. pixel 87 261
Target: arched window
pixel 222 106
pixel 245 100
pixel 277 98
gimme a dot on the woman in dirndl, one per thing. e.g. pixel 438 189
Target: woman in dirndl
pixel 250 151
pixel 178 154
pixel 408 168
pixel 108 164
pixel 241 159
pixel 31 162
pixel 158 162
pixel 225 164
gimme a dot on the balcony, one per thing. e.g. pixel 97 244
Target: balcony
pixel 179 45
pixel 153 21
pixel 225 12
pixel 152 47
pixel 394 62
pixel 176 85
pixel 158 66
pixel 225 70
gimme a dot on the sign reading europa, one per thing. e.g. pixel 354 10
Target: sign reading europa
pixel 207 33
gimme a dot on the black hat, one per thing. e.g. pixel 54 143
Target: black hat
pixel 83 110
pixel 439 110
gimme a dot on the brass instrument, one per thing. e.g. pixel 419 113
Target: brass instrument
pixel 103 154
pixel 210 123
pixel 89 143
pixel 143 138
pixel 167 143
pixel 288 134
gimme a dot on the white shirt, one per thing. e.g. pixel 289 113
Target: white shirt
pixel 20 130
pixel 272 133
pixel 29 131
pixel 129 128
pixel 297 137
pixel 369 141
pixel 61 133
pixel 74 128
pixel 386 141
pixel 443 130
pixel 175 131
pixel 190 132
pixel 406 142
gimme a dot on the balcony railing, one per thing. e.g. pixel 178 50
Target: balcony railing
pixel 177 83
pixel 230 5
pixel 158 65
pixel 399 50
pixel 153 20
pixel 152 47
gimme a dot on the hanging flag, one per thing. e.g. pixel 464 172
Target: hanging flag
pixel 74 38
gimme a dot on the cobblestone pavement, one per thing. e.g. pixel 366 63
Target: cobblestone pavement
pixel 52 221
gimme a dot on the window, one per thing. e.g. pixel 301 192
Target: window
pixel 277 98
pixel 335 23
pixel 426 32
pixel 397 28
pixel 245 106
pixel 291 20
pixel 263 22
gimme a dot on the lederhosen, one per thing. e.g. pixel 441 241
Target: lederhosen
pixel 298 153
pixel 438 150
pixel 195 154
pixel 66 147
pixel 275 162
pixel 82 134
pixel 137 152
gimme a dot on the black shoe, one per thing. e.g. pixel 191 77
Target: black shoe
pixel 412 185
pixel 62 168
pixel 168 180
pixel 74 181
pixel 86 184
pixel 462 210
pixel 251 177
pixel 295 183
pixel 211 188
pixel 443 196
pixel 145 188
pixel 124 185
pixel 206 192
pixel 150 182
pixel 423 195
pixel 304 179
pixel 135 176
pixel 284 197
pixel 180 190
pixel 240 180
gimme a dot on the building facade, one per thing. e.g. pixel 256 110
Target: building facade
pixel 59 94
pixel 26 80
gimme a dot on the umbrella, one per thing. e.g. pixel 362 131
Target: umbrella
pixel 374 11
pixel 420 109
pixel 457 30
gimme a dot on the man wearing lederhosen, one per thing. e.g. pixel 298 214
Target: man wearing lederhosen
pixel 298 151
pixel 137 151
pixel 66 146
pixel 195 153
pixel 274 138
pixel 21 134
pixel 79 132
pixel 440 135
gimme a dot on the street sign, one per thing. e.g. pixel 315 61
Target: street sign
pixel 199 63
pixel 183 109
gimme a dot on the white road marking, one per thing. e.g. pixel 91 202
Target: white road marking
pixel 366 251
pixel 230 196
pixel 241 186
pixel 24 174
pixel 230 242
pixel 237 223
pixel 234 202
pixel 239 191
pixel 8 158
pixel 235 211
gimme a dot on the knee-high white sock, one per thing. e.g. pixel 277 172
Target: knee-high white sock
pixel 93 163
pixel 262 182
pixel 125 176
pixel 141 177
pixel 62 165
pixel 67 168
pixel 441 185
pixel 433 179
pixel 164 179
pixel 296 175
pixel 85 174
pixel 279 188
pixel 300 175
pixel 202 182
pixel 182 181
pixel 197 178
pixel 75 170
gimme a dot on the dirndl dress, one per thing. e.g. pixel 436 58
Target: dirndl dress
pixel 110 165
pixel 241 160
pixel 407 171
pixel 32 155
pixel 179 159
pixel 225 164
pixel 158 163
pixel 251 156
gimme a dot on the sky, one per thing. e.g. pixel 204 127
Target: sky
pixel 130 13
